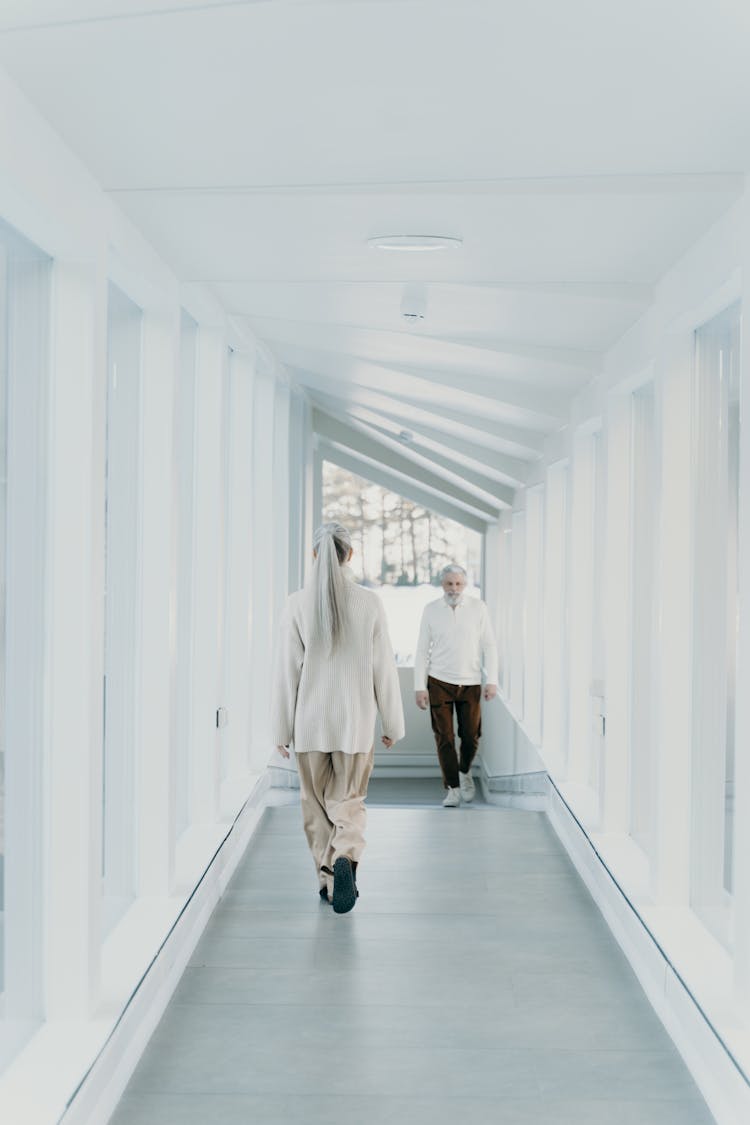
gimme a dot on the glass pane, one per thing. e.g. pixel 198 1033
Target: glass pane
pixel 534 612
pixel 506 608
pixel 555 611
pixel 643 517
pixel 183 560
pixel 518 615
pixel 716 606
pixel 596 758
pixel 399 548
pixel 730 375
pixel 24 381
pixel 224 557
pixel 3 591
pixel 121 570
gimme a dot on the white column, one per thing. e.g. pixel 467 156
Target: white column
pixel 206 670
pixel 742 738
pixel 25 629
pixel 493 590
pixel 518 614
pixel 155 797
pixel 240 543
pixel 580 650
pixel 75 652
pixel 317 484
pixel 300 487
pixel 262 566
pixel 617 613
pixel 673 647
pixel 281 494
pixel 534 612
pixel 554 618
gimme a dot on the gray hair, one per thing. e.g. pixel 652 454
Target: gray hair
pixel 332 543
pixel 452 568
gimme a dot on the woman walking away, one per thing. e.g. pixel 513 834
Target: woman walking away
pixel 334 668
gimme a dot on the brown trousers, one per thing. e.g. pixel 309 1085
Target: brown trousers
pixel 467 703
pixel 333 788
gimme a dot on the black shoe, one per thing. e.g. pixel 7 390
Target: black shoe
pixel 344 887
pixel 323 892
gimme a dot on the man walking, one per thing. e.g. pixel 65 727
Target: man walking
pixel 455 641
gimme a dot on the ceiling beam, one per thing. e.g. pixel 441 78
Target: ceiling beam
pixel 625 184
pixel 464 351
pixel 501 436
pixel 615 292
pixel 497 466
pixel 477 484
pixel 500 399
pixel 344 436
pixel 377 473
pixel 485 485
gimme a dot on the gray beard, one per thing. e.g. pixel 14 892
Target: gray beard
pixel 453 599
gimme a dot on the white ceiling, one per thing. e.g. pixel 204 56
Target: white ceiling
pixel 578 149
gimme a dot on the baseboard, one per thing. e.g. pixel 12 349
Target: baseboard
pixel 527 791
pixel 283 777
pixel 411 769
pixel 101 1088
pixel 717 1075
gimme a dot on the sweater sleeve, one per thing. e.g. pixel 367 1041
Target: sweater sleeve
pixel 387 689
pixel 422 654
pixel 489 648
pixel 290 654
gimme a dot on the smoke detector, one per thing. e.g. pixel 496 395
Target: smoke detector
pixel 414 303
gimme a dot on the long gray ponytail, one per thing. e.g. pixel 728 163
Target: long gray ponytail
pixel 332 542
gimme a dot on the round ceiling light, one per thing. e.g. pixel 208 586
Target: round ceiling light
pixel 414 243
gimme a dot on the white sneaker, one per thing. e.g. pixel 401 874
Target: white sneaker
pixel 467 786
pixel 452 799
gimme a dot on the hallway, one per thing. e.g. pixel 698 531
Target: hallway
pixel 475 980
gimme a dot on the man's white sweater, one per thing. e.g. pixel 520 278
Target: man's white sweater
pixel 328 701
pixel 454 644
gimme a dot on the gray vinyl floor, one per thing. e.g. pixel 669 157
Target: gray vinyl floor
pixel 475 983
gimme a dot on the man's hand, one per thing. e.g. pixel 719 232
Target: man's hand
pixel 423 700
pixel 490 691
pixel 283 751
pixel 387 742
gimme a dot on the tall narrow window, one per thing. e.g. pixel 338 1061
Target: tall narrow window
pixel 182 585
pixel 715 619
pixel 555 613
pixel 24 321
pixel 225 561
pixel 122 533
pixel 584 640
pixel 506 608
pixel 643 539
pixel 732 602
pixel 4 285
pixel 518 620
pixel 534 611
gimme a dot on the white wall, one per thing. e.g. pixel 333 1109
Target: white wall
pixel 240 562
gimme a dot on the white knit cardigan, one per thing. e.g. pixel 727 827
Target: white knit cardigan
pixel 328 701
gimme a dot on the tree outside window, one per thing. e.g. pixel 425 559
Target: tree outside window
pixel 400 548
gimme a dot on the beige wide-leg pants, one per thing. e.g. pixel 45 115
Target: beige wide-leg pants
pixel 333 788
